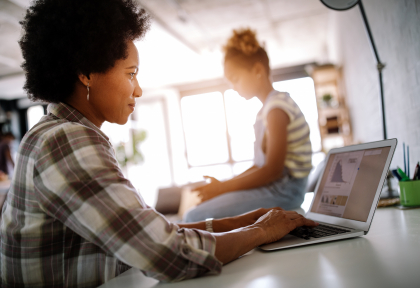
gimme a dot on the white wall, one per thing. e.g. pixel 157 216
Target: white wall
pixel 395 25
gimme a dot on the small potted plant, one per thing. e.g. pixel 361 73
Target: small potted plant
pixel 326 99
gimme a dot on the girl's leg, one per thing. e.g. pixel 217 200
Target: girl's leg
pixel 287 193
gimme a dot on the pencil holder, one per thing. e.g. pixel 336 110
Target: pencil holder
pixel 410 193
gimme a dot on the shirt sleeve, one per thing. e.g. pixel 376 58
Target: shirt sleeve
pixel 78 182
pixel 281 101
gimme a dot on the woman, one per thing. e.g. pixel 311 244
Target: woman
pixel 71 218
pixel 282 147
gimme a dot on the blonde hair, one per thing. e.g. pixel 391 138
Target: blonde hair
pixel 244 48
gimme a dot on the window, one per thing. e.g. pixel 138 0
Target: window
pixel 153 169
pixel 219 133
pixel 205 129
pixel 302 91
pixel 241 116
pixel 34 114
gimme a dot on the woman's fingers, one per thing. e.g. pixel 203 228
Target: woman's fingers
pixel 300 219
pixel 305 222
pixel 293 216
pixel 290 212
pixel 278 223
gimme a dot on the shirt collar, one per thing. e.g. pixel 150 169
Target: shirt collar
pixel 272 93
pixel 65 111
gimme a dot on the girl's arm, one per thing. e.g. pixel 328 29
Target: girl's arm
pixel 246 172
pixel 277 122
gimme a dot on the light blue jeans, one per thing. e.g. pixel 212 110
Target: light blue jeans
pixel 287 193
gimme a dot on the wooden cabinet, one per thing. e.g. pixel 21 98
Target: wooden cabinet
pixel 333 114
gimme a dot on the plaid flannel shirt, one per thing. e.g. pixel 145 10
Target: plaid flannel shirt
pixel 71 219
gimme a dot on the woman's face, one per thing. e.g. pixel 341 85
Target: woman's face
pixel 113 93
pixel 243 81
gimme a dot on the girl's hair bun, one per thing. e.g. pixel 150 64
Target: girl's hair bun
pixel 244 50
pixel 243 40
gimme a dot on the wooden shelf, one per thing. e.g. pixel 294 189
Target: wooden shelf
pixel 334 118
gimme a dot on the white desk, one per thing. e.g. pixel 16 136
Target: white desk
pixel 388 256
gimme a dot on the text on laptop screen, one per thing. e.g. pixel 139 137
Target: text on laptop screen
pixel 349 183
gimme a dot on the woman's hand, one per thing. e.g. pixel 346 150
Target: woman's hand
pixel 275 224
pixel 251 217
pixel 243 220
pixel 210 190
pixel 270 227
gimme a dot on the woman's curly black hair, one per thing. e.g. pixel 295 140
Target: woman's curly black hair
pixel 65 38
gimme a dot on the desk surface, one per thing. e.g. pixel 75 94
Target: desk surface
pixel 388 256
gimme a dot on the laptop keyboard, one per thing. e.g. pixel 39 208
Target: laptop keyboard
pixel 317 232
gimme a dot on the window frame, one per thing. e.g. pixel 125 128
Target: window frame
pixel 221 85
pixel 230 158
pixel 165 113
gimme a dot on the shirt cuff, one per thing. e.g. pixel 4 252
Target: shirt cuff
pixel 200 248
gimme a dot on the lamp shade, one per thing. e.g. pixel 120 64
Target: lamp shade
pixel 340 4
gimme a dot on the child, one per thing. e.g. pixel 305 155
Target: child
pixel 282 147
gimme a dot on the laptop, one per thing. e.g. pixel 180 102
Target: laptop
pixel 346 195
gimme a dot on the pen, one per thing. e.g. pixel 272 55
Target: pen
pixel 395 173
pixel 402 175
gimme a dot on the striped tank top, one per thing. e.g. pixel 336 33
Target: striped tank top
pixel 299 150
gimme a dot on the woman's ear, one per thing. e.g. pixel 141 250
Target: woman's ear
pixel 84 79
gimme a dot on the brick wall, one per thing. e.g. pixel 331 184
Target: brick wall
pixel 395 25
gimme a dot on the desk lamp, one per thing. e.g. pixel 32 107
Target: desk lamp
pixel 341 5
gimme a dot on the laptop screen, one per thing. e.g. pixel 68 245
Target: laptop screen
pixel 349 183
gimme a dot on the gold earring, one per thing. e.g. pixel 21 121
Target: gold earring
pixel 88 91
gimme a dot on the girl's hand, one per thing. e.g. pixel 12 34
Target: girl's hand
pixel 210 190
pixel 210 179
